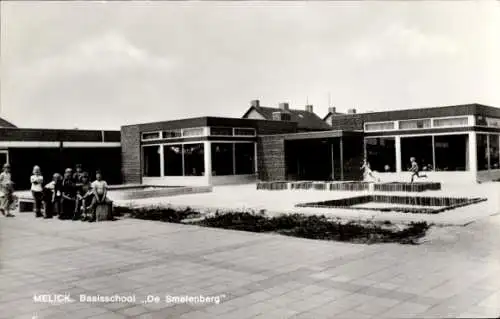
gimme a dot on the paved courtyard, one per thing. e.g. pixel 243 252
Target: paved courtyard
pixel 247 197
pixel 455 273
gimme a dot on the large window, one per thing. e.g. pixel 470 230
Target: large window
pixel 452 121
pixel 482 152
pixel 420 148
pixel 172 133
pixel 244 155
pixel 221 131
pixel 491 121
pixel 222 159
pixel 244 132
pixel 494 155
pixel 151 161
pixel 414 124
pixel 151 136
pixel 381 154
pixel 195 131
pixel 172 160
pixel 194 160
pixel 381 126
pixel 451 152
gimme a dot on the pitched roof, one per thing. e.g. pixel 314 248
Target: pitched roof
pixel 305 120
pixel 332 113
pixel 5 123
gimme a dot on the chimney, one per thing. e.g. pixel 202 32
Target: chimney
pixel 255 103
pixel 332 110
pixel 351 111
pixel 284 106
pixel 309 108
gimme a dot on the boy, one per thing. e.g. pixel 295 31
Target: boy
pixel 53 196
pixel 100 191
pixel 414 169
pixel 68 195
pixel 84 198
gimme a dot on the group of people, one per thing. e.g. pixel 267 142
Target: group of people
pixel 414 169
pixel 69 196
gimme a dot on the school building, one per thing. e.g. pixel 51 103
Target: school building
pixel 55 150
pixel 452 144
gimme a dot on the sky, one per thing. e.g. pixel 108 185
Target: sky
pixel 100 65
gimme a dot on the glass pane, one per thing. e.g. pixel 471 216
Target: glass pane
pixel 494 122
pixel 151 161
pixel 244 156
pixel 172 160
pixel 452 152
pixel 244 131
pixel 455 121
pixel 494 156
pixel 198 131
pixel 414 124
pixel 194 160
pixel 379 126
pixel 381 154
pixel 221 131
pixel 222 159
pixel 420 148
pixel 151 136
pixel 482 152
pixel 172 134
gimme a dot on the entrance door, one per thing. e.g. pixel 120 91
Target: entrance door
pixel 4 158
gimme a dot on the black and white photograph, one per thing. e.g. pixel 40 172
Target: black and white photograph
pixel 249 159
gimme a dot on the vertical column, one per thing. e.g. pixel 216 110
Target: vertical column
pixel 234 158
pixel 473 154
pixel 341 159
pixel 433 153
pixel 333 161
pixel 255 160
pixel 207 152
pixel 162 160
pixel 399 166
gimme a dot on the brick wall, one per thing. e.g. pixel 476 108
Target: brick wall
pixel 131 154
pixel 271 158
pixel 353 153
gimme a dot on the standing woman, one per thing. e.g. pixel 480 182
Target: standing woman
pixel 37 190
pixel 6 191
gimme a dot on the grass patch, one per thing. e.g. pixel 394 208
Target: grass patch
pixel 157 213
pixel 296 225
pixel 318 227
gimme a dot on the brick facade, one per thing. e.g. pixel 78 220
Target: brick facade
pixel 131 154
pixel 271 157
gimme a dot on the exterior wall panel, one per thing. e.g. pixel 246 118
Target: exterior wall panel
pixel 131 154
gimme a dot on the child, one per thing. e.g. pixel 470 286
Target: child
pixel 367 170
pixel 77 176
pixel 37 190
pixel 6 191
pixel 68 195
pixel 100 191
pixel 84 197
pixel 53 196
pixel 415 170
